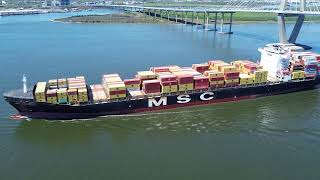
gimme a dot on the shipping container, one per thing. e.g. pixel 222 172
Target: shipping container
pixel 116 86
pixel 231 75
pixel 200 67
pixel 166 78
pixel 40 92
pixel 219 66
pixel 213 74
pixel 146 75
pixel 160 69
pixel 217 79
pixel 151 86
pixel 226 69
pixel 246 79
pixel 136 93
pixel 185 87
pixel 213 64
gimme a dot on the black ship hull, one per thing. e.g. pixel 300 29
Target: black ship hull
pixel 28 107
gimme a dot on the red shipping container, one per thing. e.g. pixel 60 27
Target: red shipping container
pixel 201 86
pixel 200 67
pixel 160 69
pixel 152 91
pixel 231 75
pixel 198 79
pixel 151 85
pixel 185 79
pixel 217 79
pixel 251 67
pixel 169 83
pixel 164 78
pixel 117 92
pixel 132 81
pixel 72 93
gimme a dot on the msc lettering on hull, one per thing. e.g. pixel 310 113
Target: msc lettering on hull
pixel 181 99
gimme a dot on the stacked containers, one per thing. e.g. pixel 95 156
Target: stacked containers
pixel 52 96
pixel 214 63
pixel 83 95
pixel 146 75
pixel 151 86
pixel 160 69
pixel 136 93
pixel 231 75
pixel 201 68
pixel 74 84
pixel 72 96
pixel 53 84
pixel 201 82
pixel 114 86
pixel 40 92
pixel 62 83
pixel 310 66
pixel 168 83
pixel 297 70
pixel 185 82
pixel 98 93
pixel 132 84
pixel 216 78
pixel 254 70
pixel 62 95
pixel 245 79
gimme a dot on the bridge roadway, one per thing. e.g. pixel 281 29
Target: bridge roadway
pixel 282 9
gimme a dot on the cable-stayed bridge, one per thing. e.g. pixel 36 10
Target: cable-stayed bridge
pixel 283 8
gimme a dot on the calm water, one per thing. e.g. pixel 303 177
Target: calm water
pixel 269 138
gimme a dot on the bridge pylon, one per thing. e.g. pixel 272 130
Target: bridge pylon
pixel 282 25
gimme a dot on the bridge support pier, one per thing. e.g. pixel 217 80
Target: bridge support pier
pixel 222 23
pixel 192 18
pixel 176 16
pixel 295 31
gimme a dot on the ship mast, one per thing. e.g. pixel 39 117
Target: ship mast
pixel 24 81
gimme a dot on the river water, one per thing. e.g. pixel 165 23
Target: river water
pixel 268 138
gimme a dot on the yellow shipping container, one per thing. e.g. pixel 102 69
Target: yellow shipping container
pixel 213 74
pixel 52 100
pixel 62 92
pixel 83 99
pixel 295 75
pixel 146 74
pixel 169 89
pixel 119 86
pixel 117 96
pixel 215 66
pixel 302 74
pixel 185 87
pixel 133 86
pixel 225 69
pixel 82 91
pixel 53 82
pixel 231 81
pixel 245 79
pixel 219 66
pixel 112 79
pixel 216 82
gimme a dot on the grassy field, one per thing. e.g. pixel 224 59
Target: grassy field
pixel 243 17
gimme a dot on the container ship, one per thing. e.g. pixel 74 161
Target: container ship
pixel 281 69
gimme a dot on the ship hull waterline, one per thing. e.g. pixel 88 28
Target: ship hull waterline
pixel 35 110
